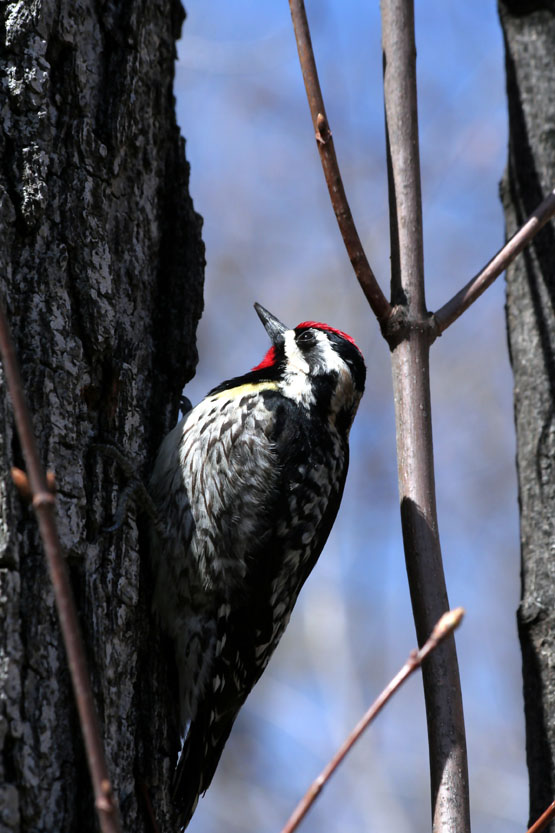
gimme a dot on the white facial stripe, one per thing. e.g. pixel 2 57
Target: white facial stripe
pixel 293 355
pixel 296 383
pixel 328 358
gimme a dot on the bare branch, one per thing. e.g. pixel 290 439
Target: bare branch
pixel 43 502
pixel 411 381
pixel 324 141
pixel 21 483
pixel 446 625
pixel 410 331
pixel 544 819
pixel 405 193
pixel 450 311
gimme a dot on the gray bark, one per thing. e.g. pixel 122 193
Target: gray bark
pixel 529 30
pixel 101 274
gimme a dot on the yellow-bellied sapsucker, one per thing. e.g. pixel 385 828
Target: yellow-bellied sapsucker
pixel 247 487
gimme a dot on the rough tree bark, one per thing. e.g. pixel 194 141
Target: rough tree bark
pixel 101 272
pixel 529 31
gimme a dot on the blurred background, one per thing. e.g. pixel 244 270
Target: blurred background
pixel 271 237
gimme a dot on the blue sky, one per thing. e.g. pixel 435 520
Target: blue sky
pixel 271 237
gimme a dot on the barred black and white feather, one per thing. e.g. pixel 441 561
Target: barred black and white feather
pixel 247 488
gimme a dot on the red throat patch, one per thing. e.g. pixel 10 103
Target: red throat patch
pixel 268 360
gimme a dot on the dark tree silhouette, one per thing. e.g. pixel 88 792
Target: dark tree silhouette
pixel 102 266
pixel 529 31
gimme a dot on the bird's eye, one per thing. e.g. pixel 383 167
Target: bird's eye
pixel 306 337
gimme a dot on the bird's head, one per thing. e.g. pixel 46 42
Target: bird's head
pixel 314 364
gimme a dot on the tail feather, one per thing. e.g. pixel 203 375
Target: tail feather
pixel 198 760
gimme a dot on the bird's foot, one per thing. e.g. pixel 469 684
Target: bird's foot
pixel 135 490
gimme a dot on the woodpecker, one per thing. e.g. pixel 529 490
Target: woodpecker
pixel 247 487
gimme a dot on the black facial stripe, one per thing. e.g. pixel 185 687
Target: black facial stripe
pixel 351 355
pixel 305 340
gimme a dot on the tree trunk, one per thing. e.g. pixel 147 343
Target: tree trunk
pixel 529 30
pixel 102 265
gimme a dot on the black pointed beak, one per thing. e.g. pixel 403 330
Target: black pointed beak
pixel 275 329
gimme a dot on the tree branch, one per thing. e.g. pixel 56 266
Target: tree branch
pixel 410 333
pixel 460 302
pixel 445 627
pixel 544 819
pixel 324 140
pixel 43 502
pixel 411 381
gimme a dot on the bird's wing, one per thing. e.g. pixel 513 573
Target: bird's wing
pixel 272 520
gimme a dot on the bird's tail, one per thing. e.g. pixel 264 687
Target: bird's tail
pixel 198 760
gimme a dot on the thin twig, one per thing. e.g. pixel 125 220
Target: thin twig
pixel 44 503
pixel 446 625
pixel 460 302
pixel 324 141
pixel 21 483
pixel 544 819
